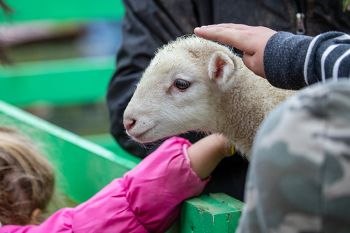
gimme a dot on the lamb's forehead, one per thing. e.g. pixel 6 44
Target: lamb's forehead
pixel 193 44
pixel 183 52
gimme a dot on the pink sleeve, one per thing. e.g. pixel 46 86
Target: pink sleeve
pixel 146 199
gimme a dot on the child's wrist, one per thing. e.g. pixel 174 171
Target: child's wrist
pixel 205 154
pixel 224 145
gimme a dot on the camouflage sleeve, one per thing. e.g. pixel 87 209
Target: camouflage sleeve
pixel 294 61
pixel 298 179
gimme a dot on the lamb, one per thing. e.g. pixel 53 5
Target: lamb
pixel 194 84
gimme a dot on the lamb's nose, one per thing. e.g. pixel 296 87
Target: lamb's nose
pixel 129 123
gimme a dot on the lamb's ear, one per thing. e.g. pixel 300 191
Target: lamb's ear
pixel 221 68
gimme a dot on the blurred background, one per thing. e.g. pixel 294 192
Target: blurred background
pixel 59 58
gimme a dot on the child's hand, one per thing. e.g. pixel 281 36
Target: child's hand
pixel 205 154
pixel 250 40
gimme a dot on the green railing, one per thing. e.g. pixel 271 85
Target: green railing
pixel 59 82
pixel 62 81
pixel 77 10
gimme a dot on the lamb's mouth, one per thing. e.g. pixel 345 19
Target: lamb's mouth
pixel 139 137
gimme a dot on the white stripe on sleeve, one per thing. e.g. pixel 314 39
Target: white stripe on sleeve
pixel 343 37
pixel 308 54
pixel 337 64
pixel 323 60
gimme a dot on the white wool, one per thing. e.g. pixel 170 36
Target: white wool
pixel 233 101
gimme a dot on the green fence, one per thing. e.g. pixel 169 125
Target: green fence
pixel 34 10
pixel 62 81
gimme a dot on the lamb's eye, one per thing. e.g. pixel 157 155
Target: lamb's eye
pixel 182 84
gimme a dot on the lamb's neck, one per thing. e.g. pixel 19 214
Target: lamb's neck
pixel 243 110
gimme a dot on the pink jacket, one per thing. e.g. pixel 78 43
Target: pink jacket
pixel 146 199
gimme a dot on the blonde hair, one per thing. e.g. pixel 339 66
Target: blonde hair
pixel 26 178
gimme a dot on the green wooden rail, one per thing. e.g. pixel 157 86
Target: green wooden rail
pixel 34 10
pixel 64 81
pixel 82 168
pixel 59 82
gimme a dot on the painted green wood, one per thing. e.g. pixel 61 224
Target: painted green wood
pixel 207 214
pixel 82 167
pixel 234 204
pixel 59 82
pixel 29 10
pixel 107 141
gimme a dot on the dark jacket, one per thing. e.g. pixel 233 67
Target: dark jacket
pixel 148 24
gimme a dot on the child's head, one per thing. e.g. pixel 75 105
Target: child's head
pixel 26 179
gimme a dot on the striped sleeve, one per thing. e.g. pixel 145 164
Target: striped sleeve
pixel 293 61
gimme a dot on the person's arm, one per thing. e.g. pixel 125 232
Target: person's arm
pixel 293 61
pixel 146 26
pixel 206 154
pixel 176 171
pixel 284 59
pixel 147 198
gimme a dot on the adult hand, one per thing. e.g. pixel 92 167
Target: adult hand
pixel 250 40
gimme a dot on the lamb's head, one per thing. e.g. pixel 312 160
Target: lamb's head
pixel 181 90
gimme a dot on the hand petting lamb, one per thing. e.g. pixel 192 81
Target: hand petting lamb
pixel 194 84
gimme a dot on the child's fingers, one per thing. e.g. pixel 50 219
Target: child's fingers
pixel 235 38
pixel 229 25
